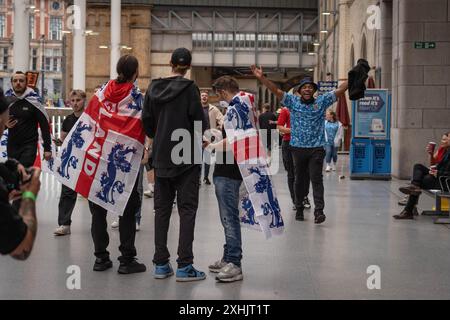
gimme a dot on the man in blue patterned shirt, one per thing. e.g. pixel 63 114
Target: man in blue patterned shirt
pixel 307 136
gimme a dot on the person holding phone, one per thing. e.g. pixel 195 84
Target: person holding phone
pixel 68 197
pixel 17 228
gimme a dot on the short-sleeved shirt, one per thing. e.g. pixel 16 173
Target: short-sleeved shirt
pixel 308 120
pixel 69 122
pixel 12 229
pixel 285 120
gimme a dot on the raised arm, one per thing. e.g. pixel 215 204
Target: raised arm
pixel 258 73
pixel 341 89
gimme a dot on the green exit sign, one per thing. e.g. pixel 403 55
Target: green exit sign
pixel 424 45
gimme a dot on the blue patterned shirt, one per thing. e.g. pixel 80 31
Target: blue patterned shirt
pixel 331 129
pixel 308 120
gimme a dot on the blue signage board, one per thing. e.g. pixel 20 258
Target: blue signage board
pixel 370 152
pixel 372 115
pixel 326 86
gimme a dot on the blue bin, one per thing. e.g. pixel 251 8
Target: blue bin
pixel 361 156
pixel 381 156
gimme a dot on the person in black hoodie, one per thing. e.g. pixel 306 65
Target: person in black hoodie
pixel 173 104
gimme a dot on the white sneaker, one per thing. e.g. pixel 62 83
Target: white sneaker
pixel 333 167
pixel 138 227
pixel 148 193
pixel 328 169
pixel 217 266
pixel 115 224
pixel 62 231
pixel 230 273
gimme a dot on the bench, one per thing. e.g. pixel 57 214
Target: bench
pixel 443 215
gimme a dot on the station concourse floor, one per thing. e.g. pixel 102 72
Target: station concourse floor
pixel 308 261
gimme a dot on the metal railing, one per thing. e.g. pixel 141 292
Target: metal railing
pixel 56 117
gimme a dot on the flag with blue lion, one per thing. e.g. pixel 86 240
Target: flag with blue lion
pixel 259 205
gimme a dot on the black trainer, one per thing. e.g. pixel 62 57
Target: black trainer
pixel 131 267
pixel 306 203
pixel 102 264
pixel 299 215
pixel 319 217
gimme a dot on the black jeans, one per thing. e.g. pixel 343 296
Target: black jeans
pixel 423 179
pixel 288 163
pixel 66 204
pixel 309 162
pixel 25 154
pixel 206 163
pixel 127 229
pixel 186 188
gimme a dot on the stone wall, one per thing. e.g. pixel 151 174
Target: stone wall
pixel 135 33
pixel 421 80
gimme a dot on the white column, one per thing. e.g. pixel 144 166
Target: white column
pixel 79 48
pixel 115 36
pixel 21 36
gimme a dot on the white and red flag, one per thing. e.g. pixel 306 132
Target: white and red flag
pixel 101 155
pixel 259 208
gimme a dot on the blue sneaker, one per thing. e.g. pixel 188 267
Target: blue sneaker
pixel 189 273
pixel 164 271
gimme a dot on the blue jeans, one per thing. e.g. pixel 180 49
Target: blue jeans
pixel 227 193
pixel 330 153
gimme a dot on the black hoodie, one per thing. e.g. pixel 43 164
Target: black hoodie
pixel 357 80
pixel 170 104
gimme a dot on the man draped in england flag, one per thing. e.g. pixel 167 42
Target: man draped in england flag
pixel 260 204
pixel 100 160
pixel 241 158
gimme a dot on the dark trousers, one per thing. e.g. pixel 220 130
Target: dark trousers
pixel 66 204
pixel 309 161
pixel 423 179
pixel 185 186
pixel 288 163
pixel 26 155
pixel 127 229
pixel 207 163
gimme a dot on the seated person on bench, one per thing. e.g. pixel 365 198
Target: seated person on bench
pixel 435 157
pixel 424 178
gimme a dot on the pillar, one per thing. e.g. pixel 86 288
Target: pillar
pixel 79 47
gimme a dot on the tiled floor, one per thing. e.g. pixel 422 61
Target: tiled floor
pixel 328 261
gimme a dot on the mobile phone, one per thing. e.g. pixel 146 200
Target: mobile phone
pixel 30 172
